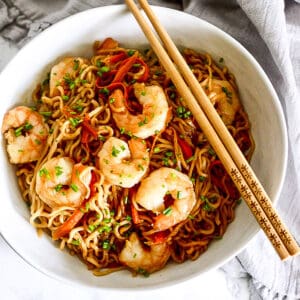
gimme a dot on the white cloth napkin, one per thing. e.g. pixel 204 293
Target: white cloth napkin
pixel 270 30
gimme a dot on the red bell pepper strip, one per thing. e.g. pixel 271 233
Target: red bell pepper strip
pixel 124 68
pixel 117 57
pixel 185 147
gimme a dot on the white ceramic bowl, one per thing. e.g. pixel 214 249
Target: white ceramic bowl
pixel 75 35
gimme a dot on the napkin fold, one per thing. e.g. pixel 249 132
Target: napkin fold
pixel 270 30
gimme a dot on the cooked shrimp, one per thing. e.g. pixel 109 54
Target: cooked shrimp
pixel 61 182
pixel 26 134
pixel 226 100
pixel 123 164
pixel 66 69
pixel 155 111
pixel 167 181
pixel 143 260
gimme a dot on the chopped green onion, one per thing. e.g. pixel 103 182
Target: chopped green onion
pixel 115 151
pixel 106 245
pixel 91 227
pixel 104 69
pixel 76 64
pixel 202 178
pixel 74 187
pixel 58 170
pixel 75 121
pixel 128 218
pixel 156 149
pixel 44 172
pixel 227 93
pixel 58 187
pixel 104 91
pixel 167 211
pixel 75 242
pixel 143 272
pixel 130 52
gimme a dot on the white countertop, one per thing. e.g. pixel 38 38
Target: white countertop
pixel 19 280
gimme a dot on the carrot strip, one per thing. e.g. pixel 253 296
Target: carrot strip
pixel 67 226
pixel 77 215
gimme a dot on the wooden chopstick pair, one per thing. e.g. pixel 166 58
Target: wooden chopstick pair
pixel 216 132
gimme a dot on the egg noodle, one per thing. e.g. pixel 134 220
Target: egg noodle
pixel 125 177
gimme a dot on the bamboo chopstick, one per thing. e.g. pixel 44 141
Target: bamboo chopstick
pixel 220 139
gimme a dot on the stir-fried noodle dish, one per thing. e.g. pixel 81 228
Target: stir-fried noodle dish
pixel 113 165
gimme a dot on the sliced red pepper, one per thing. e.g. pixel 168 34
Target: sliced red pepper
pixel 185 147
pixel 117 57
pixel 88 127
pixel 124 68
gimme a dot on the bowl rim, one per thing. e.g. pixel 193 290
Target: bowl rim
pixel 276 102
